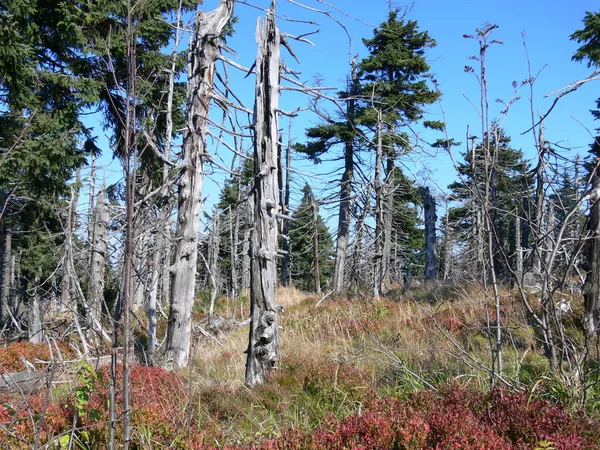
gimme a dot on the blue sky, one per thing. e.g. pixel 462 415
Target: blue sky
pixel 547 26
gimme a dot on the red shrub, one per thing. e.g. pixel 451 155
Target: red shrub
pixel 11 356
pixel 21 419
pixel 454 418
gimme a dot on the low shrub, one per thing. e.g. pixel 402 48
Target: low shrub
pixel 12 355
pixel 454 418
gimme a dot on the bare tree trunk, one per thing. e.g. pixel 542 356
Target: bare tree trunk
pixel 429 211
pixel 355 274
pixel 591 288
pixel 378 269
pixel 518 250
pixel 263 346
pixel 317 274
pixel 99 253
pixel 7 277
pixel 388 218
pixel 213 260
pixel 66 283
pixel 204 50
pixel 234 234
pixel 285 228
pixel 34 322
pixel 245 286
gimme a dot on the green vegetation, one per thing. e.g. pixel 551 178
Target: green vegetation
pixel 398 373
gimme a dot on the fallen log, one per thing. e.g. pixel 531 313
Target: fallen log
pixel 25 382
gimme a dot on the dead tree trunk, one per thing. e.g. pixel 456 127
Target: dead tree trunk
pixel 99 252
pixel 378 269
pixel 591 288
pixel 315 209
pixel 388 219
pixel 66 282
pixel 214 242
pixel 204 50
pixel 7 279
pixel 263 346
pixel 34 318
pixel 285 228
pixel 430 221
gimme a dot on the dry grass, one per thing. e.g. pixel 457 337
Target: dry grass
pixel 335 355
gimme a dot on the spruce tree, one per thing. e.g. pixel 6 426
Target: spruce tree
pixel 302 233
pixel 509 193
pixel 395 90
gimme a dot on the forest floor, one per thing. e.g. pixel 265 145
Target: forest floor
pixel 410 370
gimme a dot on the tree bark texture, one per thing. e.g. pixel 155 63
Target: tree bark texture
pixel 591 288
pixel 34 319
pixel 263 347
pixel 378 269
pixel 7 278
pixel 99 252
pixel 344 216
pixel 214 242
pixel 285 227
pixel 429 212
pixel 204 50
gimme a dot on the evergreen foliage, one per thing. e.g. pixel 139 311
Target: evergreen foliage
pixel 510 188
pixel 301 232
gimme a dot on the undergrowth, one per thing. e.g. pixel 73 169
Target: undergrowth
pixel 401 372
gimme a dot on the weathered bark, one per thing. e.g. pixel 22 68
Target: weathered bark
pixel 204 50
pixel 66 283
pixel 591 288
pixel 429 211
pixel 358 276
pixel 7 278
pixel 34 316
pixel 263 346
pixel 388 218
pixel 245 286
pixel 234 233
pixel 99 253
pixel 378 268
pixel 344 215
pixel 213 261
pixel 518 250
pixel 285 226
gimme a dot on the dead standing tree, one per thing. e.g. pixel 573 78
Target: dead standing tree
pixel 204 50
pixel 429 212
pixel 263 347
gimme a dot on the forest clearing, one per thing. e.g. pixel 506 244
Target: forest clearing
pixel 411 371
pixel 202 246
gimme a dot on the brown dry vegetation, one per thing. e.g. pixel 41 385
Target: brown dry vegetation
pixel 334 360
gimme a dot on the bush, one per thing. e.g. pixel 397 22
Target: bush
pixel 11 356
pixel 454 418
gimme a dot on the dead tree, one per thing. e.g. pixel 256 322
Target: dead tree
pixel 591 288
pixel 204 50
pixel 379 270
pixel 66 282
pixel 212 266
pixel 7 277
pixel 430 221
pixel 99 253
pixel 263 346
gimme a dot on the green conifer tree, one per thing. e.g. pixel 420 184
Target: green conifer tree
pixel 302 232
